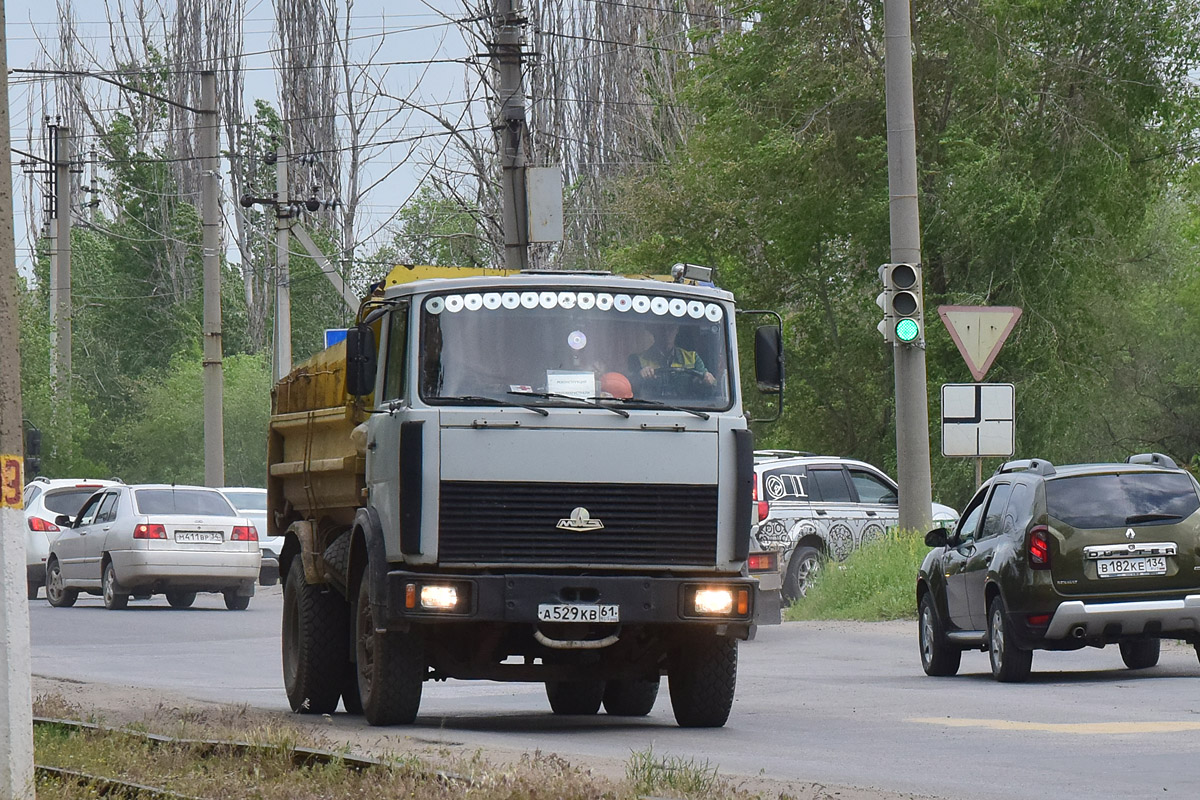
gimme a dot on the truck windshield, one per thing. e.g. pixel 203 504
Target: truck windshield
pixel 559 347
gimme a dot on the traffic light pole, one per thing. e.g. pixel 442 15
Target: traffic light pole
pixel 912 402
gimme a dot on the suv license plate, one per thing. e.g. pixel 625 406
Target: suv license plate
pixel 578 612
pixel 1131 567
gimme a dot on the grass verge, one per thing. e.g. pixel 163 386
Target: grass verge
pixel 194 770
pixel 876 582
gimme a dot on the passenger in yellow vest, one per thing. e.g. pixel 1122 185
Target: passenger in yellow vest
pixel 665 353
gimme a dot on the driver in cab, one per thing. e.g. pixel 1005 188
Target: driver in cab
pixel 665 353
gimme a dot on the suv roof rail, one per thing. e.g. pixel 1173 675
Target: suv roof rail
pixel 1154 459
pixel 1036 465
pixel 777 453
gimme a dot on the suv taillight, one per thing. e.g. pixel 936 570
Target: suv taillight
pixel 144 531
pixel 1039 547
pixel 39 524
pixel 763 508
pixel 244 533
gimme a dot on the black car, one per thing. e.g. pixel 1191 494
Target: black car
pixel 1063 557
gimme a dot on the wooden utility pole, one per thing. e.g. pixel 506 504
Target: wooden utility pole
pixel 510 132
pixel 283 279
pixel 214 388
pixel 16 692
pixel 912 402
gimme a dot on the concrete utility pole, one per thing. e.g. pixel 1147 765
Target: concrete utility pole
pixel 16 692
pixel 912 402
pixel 283 291
pixel 510 132
pixel 214 388
pixel 62 268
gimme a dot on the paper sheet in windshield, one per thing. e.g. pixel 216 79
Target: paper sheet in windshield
pixel 571 383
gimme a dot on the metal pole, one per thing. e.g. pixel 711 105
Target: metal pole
pixel 510 129
pixel 214 390
pixel 283 296
pixel 62 269
pixel 912 402
pixel 16 692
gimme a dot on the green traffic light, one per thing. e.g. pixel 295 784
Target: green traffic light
pixel 907 330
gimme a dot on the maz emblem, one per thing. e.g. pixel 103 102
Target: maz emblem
pixel 580 520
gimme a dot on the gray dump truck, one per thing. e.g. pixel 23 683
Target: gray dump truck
pixel 541 476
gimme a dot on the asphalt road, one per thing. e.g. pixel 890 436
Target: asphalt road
pixel 841 703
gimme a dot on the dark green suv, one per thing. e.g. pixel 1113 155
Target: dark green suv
pixel 1059 558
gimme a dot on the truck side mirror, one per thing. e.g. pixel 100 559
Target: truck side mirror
pixel 361 360
pixel 768 359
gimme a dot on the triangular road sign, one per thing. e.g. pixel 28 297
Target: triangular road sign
pixel 979 332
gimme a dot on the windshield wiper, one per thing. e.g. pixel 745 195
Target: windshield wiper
pixel 586 401
pixel 479 400
pixel 1136 518
pixel 658 403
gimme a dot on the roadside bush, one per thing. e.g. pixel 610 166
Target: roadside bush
pixel 876 582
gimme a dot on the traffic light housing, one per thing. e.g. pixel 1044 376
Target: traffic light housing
pixel 902 304
pixel 33 451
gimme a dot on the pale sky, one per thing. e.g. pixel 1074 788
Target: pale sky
pixel 411 30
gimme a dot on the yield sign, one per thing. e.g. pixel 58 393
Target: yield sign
pixel 979 332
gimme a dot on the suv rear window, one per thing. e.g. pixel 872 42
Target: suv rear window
pixel 183 501
pixel 1113 501
pixel 68 501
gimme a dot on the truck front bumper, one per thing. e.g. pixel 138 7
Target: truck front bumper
pixel 516 598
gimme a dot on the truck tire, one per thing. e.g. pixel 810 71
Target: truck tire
pixel 315 630
pixel 630 698
pixel 1140 654
pixel 578 698
pixel 390 666
pixel 702 677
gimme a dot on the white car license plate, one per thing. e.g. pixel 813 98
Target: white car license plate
pixel 1131 567
pixel 204 537
pixel 578 612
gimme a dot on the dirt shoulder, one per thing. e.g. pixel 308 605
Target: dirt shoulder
pixel 118 706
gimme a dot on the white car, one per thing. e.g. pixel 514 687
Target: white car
pixel 252 503
pixel 149 539
pixel 811 508
pixel 45 499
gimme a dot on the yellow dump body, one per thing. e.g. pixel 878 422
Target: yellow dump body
pixel 315 470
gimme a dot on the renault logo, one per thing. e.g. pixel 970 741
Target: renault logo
pixel 580 520
pixel 1129 534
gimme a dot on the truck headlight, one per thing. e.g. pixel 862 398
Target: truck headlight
pixel 439 598
pixel 718 602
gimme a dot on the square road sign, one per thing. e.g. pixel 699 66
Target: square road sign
pixel 978 419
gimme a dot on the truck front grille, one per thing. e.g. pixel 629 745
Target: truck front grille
pixel 517 523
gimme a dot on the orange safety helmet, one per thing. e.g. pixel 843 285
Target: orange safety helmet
pixel 616 384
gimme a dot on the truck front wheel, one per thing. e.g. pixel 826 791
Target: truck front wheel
pixel 633 697
pixel 702 677
pixel 315 627
pixel 575 697
pixel 391 667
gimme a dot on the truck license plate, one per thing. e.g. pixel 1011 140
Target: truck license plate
pixel 1130 567
pixel 577 612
